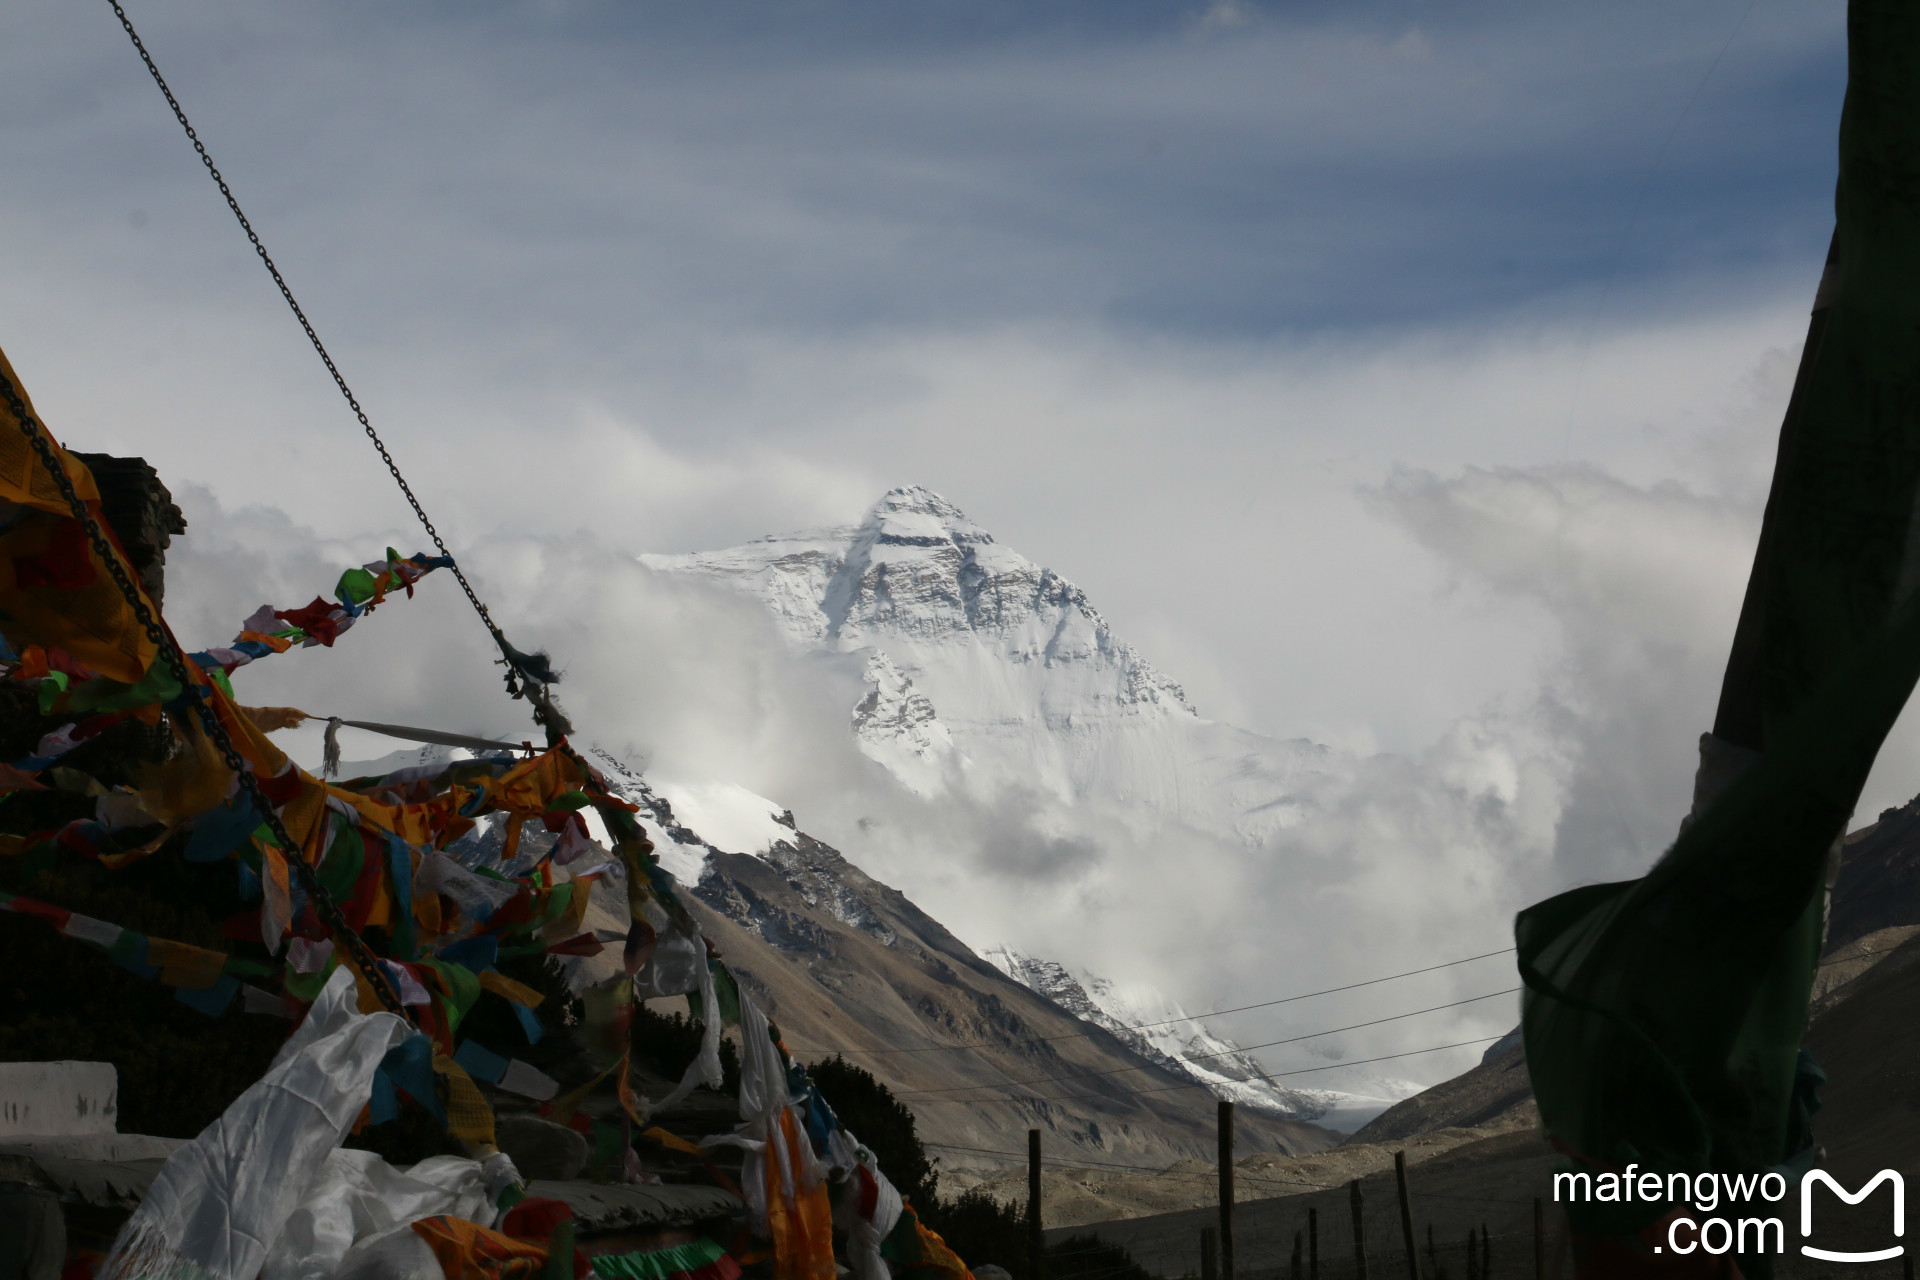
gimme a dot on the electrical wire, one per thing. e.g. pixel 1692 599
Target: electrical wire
pixel 1115 1094
pixel 1270 1044
pixel 1167 1022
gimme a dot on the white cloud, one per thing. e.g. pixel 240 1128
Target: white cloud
pixel 1179 310
pixel 1537 642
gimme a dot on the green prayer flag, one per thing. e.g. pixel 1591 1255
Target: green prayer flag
pixel 1663 1015
pixel 462 989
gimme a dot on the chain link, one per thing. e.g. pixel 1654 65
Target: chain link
pixel 545 712
pixel 170 653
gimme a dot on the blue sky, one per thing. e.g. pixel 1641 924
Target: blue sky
pixel 1243 170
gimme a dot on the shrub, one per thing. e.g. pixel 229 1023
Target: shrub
pixel 978 1227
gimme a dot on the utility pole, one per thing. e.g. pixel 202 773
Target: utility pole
pixel 1036 1245
pixel 1406 1215
pixel 1359 1230
pixel 1226 1190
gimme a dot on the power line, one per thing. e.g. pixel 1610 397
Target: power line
pixel 1303 1071
pixel 1167 1022
pixel 1270 1044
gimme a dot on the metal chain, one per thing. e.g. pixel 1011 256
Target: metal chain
pixel 169 652
pixel 543 709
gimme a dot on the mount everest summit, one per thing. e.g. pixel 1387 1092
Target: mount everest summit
pixel 989 678
pixel 987 671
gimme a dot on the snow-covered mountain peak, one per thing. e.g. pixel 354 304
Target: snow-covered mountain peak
pixel 915 516
pixel 916 572
pixel 1159 1030
pixel 987 660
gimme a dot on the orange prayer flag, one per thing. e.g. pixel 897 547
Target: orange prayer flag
pixel 800 1220
pixel 469 1251
pixel 54 589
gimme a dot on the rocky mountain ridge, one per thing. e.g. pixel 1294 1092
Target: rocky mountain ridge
pixel 848 965
pixel 1161 1031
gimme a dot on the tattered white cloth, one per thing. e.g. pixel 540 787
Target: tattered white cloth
pixel 359 1196
pixel 222 1201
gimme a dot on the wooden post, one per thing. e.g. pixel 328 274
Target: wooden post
pixel 1036 1244
pixel 1406 1215
pixel 1359 1230
pixel 1226 1190
pixel 1293 1268
pixel 1539 1240
pixel 1313 1244
pixel 1209 1253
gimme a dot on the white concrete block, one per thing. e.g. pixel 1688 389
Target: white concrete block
pixel 45 1099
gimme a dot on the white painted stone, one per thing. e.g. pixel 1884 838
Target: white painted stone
pixel 47 1099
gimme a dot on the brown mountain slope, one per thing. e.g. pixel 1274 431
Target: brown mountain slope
pixel 845 964
pixel 1495 1096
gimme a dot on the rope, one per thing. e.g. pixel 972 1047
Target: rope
pixel 176 660
pixel 330 743
pixel 522 681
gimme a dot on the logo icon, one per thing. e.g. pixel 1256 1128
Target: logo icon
pixel 1853 1197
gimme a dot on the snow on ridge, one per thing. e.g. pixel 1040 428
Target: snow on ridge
pixel 727 816
pixel 916 571
pixel 1161 1031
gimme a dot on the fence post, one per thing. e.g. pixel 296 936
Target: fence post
pixel 1036 1243
pixel 1226 1190
pixel 1209 1253
pixel 1539 1240
pixel 1313 1244
pixel 1359 1230
pixel 1406 1215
